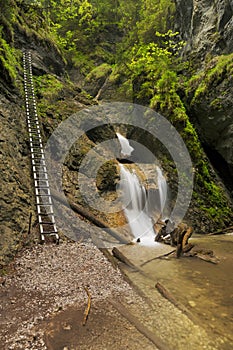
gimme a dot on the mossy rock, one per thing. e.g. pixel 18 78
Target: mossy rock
pixel 108 176
pixel 96 78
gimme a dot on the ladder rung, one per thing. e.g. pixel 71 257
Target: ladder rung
pixel 50 232
pixel 47 223
pixel 39 168
pixel 42 200
pixel 42 209
pixel 41 191
pixel 35 139
pixel 37 157
pixel 34 134
pixel 38 162
pixel 37 150
pixel 40 176
pixel 41 183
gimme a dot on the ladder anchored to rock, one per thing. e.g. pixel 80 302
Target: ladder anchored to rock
pixel 44 203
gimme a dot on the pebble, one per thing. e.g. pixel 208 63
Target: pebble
pixel 192 303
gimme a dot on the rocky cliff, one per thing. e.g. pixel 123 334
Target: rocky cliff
pixel 207 28
pixel 17 194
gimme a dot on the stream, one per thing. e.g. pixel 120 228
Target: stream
pixel 205 289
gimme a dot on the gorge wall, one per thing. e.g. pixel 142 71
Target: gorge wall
pixel 17 193
pixel 207 27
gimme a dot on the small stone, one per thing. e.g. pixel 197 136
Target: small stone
pixel 67 327
pixel 192 303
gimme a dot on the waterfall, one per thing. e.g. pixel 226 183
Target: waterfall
pixel 137 202
pixel 134 200
pixel 126 149
pixel 162 187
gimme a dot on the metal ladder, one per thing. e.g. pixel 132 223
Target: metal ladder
pixel 44 203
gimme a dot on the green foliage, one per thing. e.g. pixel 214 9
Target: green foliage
pixel 81 61
pixel 71 22
pixel 47 86
pixel 7 9
pixel 106 12
pixel 154 17
pixel 99 72
pixel 8 57
pixel 216 70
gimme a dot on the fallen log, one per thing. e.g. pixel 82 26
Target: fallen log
pixel 206 257
pixel 120 256
pixel 221 231
pixel 156 340
pixel 167 295
pixel 89 216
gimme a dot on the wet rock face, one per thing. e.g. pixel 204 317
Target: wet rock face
pixel 214 116
pixel 206 26
pixel 46 58
pixel 16 187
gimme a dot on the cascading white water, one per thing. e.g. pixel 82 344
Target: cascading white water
pixel 134 200
pixel 126 149
pixel 162 187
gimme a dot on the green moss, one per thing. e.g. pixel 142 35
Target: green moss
pixel 203 82
pixel 81 61
pixel 47 86
pixel 115 76
pixel 9 58
pixel 214 203
pixel 99 72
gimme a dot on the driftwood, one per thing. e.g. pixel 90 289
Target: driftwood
pixel 89 216
pixel 156 340
pixel 203 254
pixel 222 231
pixel 207 258
pixel 120 256
pixel 167 295
pixel 101 89
pixel 163 256
pixel 188 247
pixel 187 234
pixel 87 311
pixel 179 237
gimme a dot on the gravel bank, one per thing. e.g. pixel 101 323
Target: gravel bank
pixel 48 280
